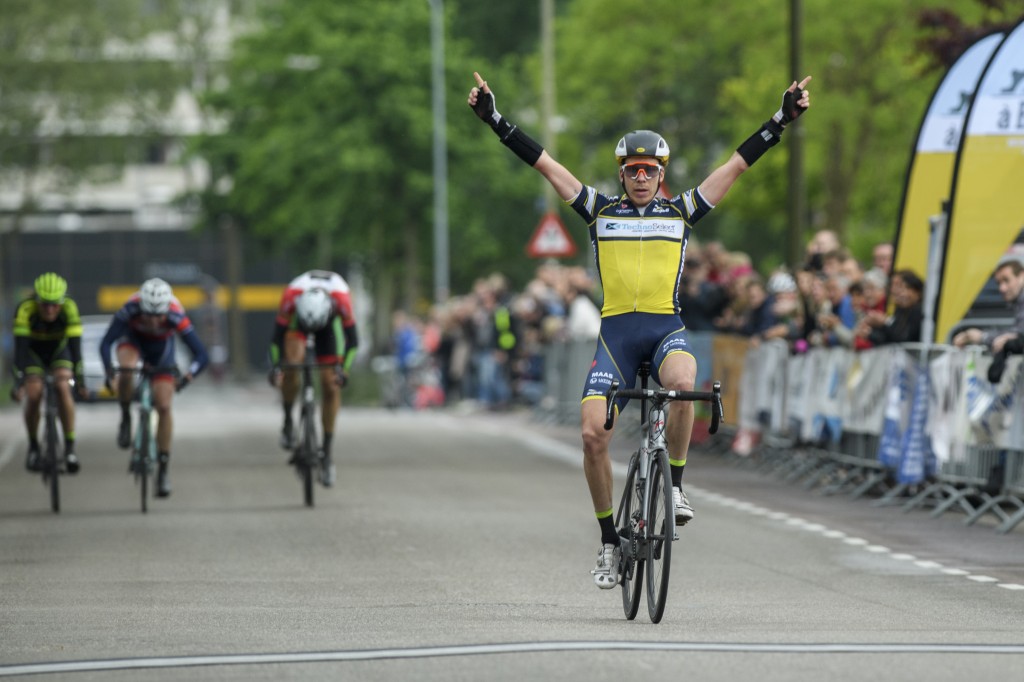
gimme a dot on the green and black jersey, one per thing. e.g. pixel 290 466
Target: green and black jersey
pixel 40 345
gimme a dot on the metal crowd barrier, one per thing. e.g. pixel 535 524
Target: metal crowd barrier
pixel 914 426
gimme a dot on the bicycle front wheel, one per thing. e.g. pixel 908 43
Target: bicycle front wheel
pixel 626 520
pixel 307 456
pixel 661 528
pixel 145 463
pixel 52 462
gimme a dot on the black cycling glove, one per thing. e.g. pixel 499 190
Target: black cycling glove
pixel 790 109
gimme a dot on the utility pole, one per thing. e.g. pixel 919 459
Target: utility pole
pixel 441 264
pixel 797 188
pixel 547 43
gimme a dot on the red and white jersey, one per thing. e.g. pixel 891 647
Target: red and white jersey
pixel 331 282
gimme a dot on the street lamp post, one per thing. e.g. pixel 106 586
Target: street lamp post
pixel 441 265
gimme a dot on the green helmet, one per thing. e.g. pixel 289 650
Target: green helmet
pixel 51 288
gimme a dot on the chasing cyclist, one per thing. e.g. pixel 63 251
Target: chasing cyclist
pixel 639 242
pixel 144 330
pixel 316 302
pixel 48 337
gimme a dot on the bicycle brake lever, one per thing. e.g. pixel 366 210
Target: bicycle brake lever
pixel 717 412
pixel 609 418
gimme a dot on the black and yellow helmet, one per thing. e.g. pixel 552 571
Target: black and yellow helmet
pixel 51 288
pixel 642 143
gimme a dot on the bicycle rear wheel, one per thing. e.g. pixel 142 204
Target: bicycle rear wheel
pixel 661 531
pixel 632 565
pixel 52 461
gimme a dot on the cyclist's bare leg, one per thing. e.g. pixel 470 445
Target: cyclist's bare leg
pixel 597 463
pixel 678 373
pixel 294 354
pixel 66 402
pixel 331 399
pixel 33 399
pixel 163 397
pixel 128 358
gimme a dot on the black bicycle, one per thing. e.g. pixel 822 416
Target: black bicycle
pixel 645 518
pixel 307 455
pixel 143 462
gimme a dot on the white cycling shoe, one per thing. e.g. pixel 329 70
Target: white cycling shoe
pixel 606 573
pixel 683 510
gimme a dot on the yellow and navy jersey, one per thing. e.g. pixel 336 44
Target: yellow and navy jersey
pixel 640 253
pixel 29 323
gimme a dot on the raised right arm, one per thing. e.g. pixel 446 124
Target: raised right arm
pixel 481 100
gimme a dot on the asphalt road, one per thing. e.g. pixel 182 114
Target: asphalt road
pixel 458 547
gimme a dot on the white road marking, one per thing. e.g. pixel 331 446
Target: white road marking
pixel 493 649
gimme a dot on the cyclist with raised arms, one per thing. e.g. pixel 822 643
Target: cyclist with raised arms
pixel 639 243
pixel 48 337
pixel 317 302
pixel 144 329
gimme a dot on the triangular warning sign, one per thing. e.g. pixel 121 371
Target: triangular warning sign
pixel 551 239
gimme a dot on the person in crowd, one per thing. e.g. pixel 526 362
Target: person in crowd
pixel 640 278
pixel 874 282
pixel 48 338
pixel 882 256
pixel 823 241
pixel 144 330
pixel 851 269
pixel 832 262
pixel 495 338
pixel 760 315
pixel 786 307
pixel 837 317
pixel 716 257
pixel 405 337
pixel 583 317
pixel 904 325
pixel 316 304
pixel 872 301
pixel 702 300
pixel 1009 276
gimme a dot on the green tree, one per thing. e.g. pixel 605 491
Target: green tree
pixel 81 95
pixel 327 148
pixel 707 75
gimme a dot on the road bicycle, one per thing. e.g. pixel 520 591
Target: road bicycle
pixel 143 462
pixel 307 456
pixel 645 518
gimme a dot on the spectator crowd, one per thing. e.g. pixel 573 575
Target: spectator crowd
pixel 488 345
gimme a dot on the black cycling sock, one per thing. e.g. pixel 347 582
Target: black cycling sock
pixel 327 444
pixel 69 442
pixel 287 413
pixel 677 475
pixel 609 536
pixel 126 411
pixel 163 457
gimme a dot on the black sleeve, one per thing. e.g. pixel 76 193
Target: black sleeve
pixel 21 353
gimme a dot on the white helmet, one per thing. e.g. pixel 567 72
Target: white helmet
pixel 781 282
pixel 155 296
pixel 314 308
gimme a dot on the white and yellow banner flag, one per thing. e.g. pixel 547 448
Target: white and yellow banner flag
pixel 987 210
pixel 930 174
